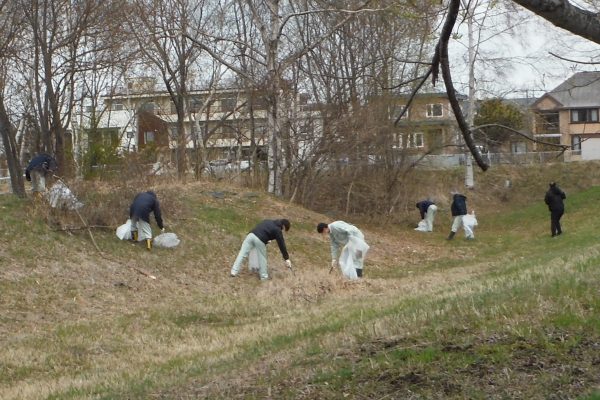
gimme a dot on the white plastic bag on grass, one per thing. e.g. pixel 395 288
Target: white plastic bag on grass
pixel 353 256
pixel 60 196
pixel 422 226
pixel 166 240
pixel 124 231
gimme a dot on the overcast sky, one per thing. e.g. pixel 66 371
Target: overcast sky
pixel 518 63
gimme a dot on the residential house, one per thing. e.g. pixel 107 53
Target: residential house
pixel 568 115
pixel 428 125
pixel 140 116
pixel 227 123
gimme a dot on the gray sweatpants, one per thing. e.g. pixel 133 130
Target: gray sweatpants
pixel 252 242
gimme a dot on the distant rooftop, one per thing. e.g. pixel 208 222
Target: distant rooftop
pixel 579 91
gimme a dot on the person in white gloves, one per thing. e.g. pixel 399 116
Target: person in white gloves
pixel 348 242
pixel 265 231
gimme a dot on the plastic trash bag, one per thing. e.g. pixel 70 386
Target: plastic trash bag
pixel 60 196
pixel 166 240
pixel 470 220
pixel 469 224
pixel 124 231
pixel 422 226
pixel 353 256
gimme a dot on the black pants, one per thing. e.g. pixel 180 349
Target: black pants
pixel 555 228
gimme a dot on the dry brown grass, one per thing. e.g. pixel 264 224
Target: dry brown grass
pixel 76 319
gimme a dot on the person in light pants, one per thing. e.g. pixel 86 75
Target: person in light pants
pixel 37 170
pixel 139 212
pixel 427 209
pixel 459 212
pixel 257 239
pixel 340 234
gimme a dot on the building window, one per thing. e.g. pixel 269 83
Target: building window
pixel 397 110
pixel 518 147
pixel 414 140
pixel 584 115
pixel 576 143
pixel 435 110
pixel 149 137
pixel 417 140
pixel 228 104
pixel 117 107
pixel 148 107
pixel 548 122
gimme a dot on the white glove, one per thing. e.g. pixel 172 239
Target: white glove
pixel 333 263
pixel 288 263
pixel 162 230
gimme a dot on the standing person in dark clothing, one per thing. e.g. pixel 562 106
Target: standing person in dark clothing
pixel 139 213
pixel 554 199
pixel 459 211
pixel 257 239
pixel 37 170
pixel 427 209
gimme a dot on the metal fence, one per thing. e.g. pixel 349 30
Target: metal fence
pixel 455 160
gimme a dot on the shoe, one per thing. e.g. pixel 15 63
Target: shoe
pixel 451 235
pixel 149 244
pixel 233 275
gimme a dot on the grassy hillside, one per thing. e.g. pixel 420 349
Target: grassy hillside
pixel 513 314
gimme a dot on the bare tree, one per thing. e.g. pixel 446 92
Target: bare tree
pixel 562 13
pixel 163 30
pixel 10 22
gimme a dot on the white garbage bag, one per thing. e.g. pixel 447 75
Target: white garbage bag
pixel 353 256
pixel 469 224
pixel 60 196
pixel 166 240
pixel 124 231
pixel 422 226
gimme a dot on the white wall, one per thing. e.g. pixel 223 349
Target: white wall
pixel 590 149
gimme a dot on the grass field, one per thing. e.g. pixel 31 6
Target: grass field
pixel 513 314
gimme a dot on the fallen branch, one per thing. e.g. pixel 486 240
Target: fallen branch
pixel 78 228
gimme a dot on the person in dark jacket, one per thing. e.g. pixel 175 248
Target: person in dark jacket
pixel 554 199
pixel 459 211
pixel 139 213
pixel 427 209
pixel 37 170
pixel 257 239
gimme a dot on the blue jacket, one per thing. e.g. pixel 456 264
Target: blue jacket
pixel 271 229
pixel 459 205
pixel 41 162
pixel 143 204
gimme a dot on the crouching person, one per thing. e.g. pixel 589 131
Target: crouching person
pixel 139 213
pixel 257 239
pixel 351 241
pixel 37 170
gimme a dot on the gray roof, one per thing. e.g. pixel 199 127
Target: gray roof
pixel 580 90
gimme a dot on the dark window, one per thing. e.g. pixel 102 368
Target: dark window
pixel 548 122
pixel 576 142
pixel 435 110
pixel 584 115
pixel 228 104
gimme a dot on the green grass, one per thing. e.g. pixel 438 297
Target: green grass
pixel 510 315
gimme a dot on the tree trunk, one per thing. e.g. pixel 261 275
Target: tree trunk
pixel 12 155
